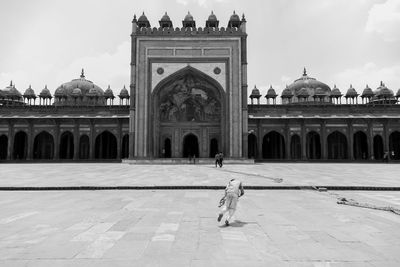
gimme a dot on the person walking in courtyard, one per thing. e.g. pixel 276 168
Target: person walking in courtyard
pixel 221 159
pixel 216 159
pixel 233 191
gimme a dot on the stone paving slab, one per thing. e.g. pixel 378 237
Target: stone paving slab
pixel 263 174
pixel 179 228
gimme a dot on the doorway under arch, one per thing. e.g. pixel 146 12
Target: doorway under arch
pixel 190 146
pixel 213 147
pixel 125 147
pixel 337 146
pixel 394 145
pixel 20 145
pixel 313 142
pixel 295 147
pixel 84 147
pixel 106 146
pixel 273 146
pixel 378 147
pixel 43 146
pixel 167 148
pixel 360 146
pixel 252 146
pixel 67 145
pixel 3 147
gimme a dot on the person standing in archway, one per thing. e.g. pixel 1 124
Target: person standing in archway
pixel 233 191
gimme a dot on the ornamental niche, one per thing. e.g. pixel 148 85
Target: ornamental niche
pixel 189 98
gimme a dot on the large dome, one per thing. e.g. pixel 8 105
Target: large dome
pixel 313 87
pixel 88 91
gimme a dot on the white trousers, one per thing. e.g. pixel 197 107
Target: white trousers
pixel 230 205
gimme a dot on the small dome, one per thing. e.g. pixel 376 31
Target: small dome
pixel 212 17
pixel 165 17
pixel 303 92
pixel 271 93
pixel 383 91
pixel 29 93
pixel 234 17
pixel 286 93
pixel 76 92
pixel 351 92
pixel 109 93
pixel 60 92
pixel 398 93
pixel 336 92
pixel 143 18
pixel 255 93
pixel 367 92
pixel 94 91
pixel 45 93
pixel 12 92
pixel 320 92
pixel 188 17
pixel 124 93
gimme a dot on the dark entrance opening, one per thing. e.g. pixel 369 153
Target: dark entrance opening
pixel 167 148
pixel 3 147
pixel 20 147
pixel 125 147
pixel 67 145
pixel 43 146
pixel 313 145
pixel 190 146
pixel 84 147
pixel 394 145
pixel 295 147
pixel 360 146
pixel 252 146
pixel 378 147
pixel 106 146
pixel 273 146
pixel 337 146
pixel 213 147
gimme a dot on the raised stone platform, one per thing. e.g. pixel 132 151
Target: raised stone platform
pixel 207 161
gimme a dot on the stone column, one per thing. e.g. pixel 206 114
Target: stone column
pixel 303 140
pixel 119 139
pixel 76 140
pixel 370 134
pixel 29 141
pixel 287 141
pixel 350 138
pixel 57 141
pixel 324 154
pixel 10 145
pixel 259 139
pixel 386 137
pixel 91 141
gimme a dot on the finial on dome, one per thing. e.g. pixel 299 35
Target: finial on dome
pixel 243 18
pixel 83 73
pixel 234 12
pixel 304 72
pixel 134 16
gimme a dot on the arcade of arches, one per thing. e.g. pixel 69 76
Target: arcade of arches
pixel 56 143
pixel 335 146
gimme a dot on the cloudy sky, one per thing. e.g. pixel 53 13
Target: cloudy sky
pixel 339 41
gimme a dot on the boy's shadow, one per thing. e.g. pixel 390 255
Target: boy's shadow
pixel 235 223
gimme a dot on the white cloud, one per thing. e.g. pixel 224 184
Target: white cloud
pixel 370 74
pixel 384 19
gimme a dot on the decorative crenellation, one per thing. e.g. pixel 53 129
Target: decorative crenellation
pixel 188 31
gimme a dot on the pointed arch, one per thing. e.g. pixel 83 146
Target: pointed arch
pixel 20 145
pixel 394 145
pixel 3 147
pixel 313 145
pixel 378 147
pixel 67 145
pixel 337 146
pixel 360 146
pixel 106 146
pixel 43 146
pixel 273 146
pixel 295 147
pixel 252 146
pixel 84 147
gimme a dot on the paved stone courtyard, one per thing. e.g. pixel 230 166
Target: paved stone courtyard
pixel 179 227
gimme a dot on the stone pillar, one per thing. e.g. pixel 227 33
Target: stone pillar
pixel 386 147
pixel 303 141
pixel 76 140
pixel 10 145
pixel 91 141
pixel 30 141
pixel 370 135
pixel 259 139
pixel 132 134
pixel 57 141
pixel 287 141
pixel 324 154
pixel 119 139
pixel 351 139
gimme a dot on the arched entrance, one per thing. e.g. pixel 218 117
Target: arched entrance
pixel 20 147
pixel 273 146
pixel 313 144
pixel 125 147
pixel 188 100
pixel 3 147
pixel 394 145
pixel 43 146
pixel 378 147
pixel 360 146
pixel 252 146
pixel 67 145
pixel 337 146
pixel 84 147
pixel 106 146
pixel 167 148
pixel 190 146
pixel 295 147
pixel 213 147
